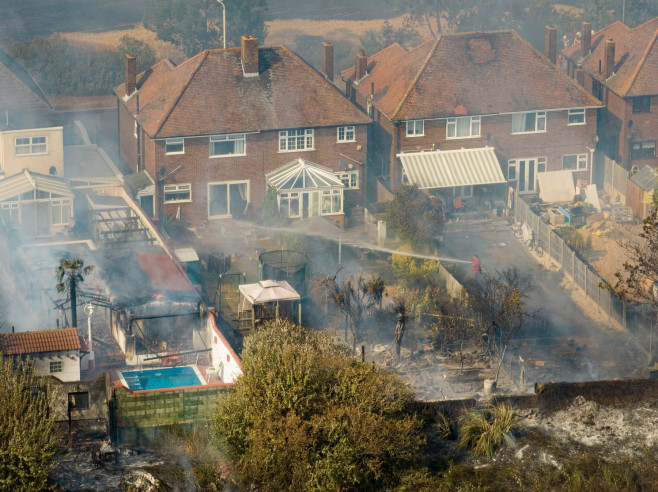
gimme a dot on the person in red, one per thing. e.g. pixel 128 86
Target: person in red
pixel 477 268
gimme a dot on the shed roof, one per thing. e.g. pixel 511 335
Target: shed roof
pixel 645 178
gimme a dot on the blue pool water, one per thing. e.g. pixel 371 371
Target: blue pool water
pixel 164 377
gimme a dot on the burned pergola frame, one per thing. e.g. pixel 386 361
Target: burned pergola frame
pixel 119 225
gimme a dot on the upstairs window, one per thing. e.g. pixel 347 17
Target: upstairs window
pixel 642 104
pixel 291 140
pixel 468 126
pixel 576 117
pixel 574 162
pixel 55 366
pixel 227 145
pixel 31 145
pixel 346 134
pixel 175 146
pixel 178 193
pixel 415 128
pixel 529 122
pixel 643 150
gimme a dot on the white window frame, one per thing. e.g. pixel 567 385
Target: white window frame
pixel 228 196
pixel 350 179
pixel 540 116
pixel 581 162
pixel 332 194
pixel 175 142
pixel 305 136
pixel 178 189
pixel 576 117
pixel 512 165
pixel 59 205
pixel 346 134
pixel 415 128
pixel 540 167
pixel 474 127
pixel 235 138
pixel 55 366
pixel 285 198
pixel 30 145
pixel 11 211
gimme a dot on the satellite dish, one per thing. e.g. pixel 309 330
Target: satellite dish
pixel 52 170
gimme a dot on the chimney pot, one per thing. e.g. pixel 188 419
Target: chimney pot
pixel 550 43
pixel 249 52
pixel 328 60
pixel 586 40
pixel 609 61
pixel 131 74
pixel 361 65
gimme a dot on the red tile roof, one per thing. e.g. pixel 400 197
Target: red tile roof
pixel 207 94
pixel 636 58
pixel 468 73
pixel 18 90
pixel 34 342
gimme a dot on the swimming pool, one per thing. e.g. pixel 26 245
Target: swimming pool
pixel 162 377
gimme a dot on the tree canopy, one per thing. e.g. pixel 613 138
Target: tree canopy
pixel 306 416
pixel 196 25
pixel 27 436
pixel 415 218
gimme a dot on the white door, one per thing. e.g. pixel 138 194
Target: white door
pixel 527 175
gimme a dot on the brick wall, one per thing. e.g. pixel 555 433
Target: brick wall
pixel 199 169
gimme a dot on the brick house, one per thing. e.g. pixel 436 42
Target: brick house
pixel 34 197
pixel 619 66
pixel 206 133
pixel 473 110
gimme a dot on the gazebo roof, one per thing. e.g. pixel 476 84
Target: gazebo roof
pixel 301 174
pixel 268 291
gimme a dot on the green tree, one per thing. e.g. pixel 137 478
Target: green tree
pixel 415 217
pixel 196 25
pixel 143 52
pixel 70 273
pixel 27 436
pixel 374 41
pixel 306 416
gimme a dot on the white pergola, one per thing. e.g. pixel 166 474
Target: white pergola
pixel 267 292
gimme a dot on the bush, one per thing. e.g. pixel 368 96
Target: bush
pixel 484 431
pixel 575 240
pixel 414 272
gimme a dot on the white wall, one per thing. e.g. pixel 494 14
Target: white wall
pixel 39 163
pixel 70 364
pixel 222 352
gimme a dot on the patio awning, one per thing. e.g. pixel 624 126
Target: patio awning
pixel 448 168
pixel 268 291
pixel 301 174
pixel 26 181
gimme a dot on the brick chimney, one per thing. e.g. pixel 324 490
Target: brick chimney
pixel 609 60
pixel 328 60
pixel 586 40
pixel 550 43
pixel 249 51
pixel 361 65
pixel 131 74
pixel 580 75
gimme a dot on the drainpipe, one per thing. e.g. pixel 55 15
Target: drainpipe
pixel 591 164
pixel 89 310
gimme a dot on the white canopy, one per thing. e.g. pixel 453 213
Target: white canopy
pixel 268 291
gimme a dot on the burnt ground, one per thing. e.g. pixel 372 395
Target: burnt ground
pixel 574 342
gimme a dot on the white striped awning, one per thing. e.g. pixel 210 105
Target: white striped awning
pixel 448 168
pixel 26 181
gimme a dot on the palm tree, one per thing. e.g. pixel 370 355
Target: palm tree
pixel 70 273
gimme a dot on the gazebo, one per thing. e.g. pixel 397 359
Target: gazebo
pixel 268 299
